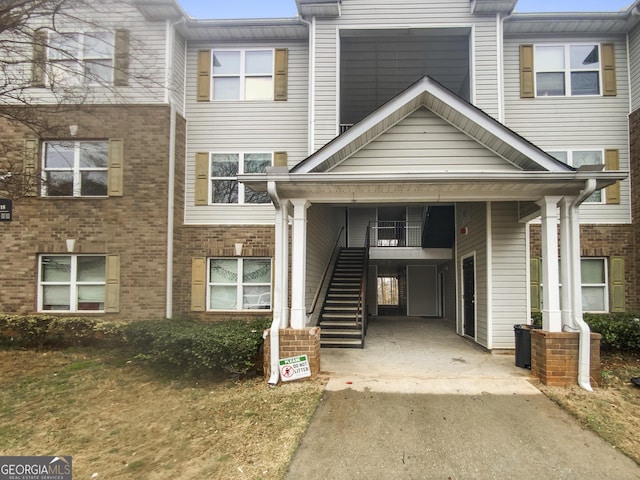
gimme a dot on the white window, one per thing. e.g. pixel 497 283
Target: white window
pixel 594 279
pixel 239 284
pixel 81 58
pixel 567 70
pixel 242 74
pixel 71 283
pixel 75 169
pixel 224 168
pixel 577 158
pixel 595 295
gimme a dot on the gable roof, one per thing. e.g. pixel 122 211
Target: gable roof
pixel 467 118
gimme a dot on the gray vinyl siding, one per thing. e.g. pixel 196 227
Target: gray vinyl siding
pixel 634 60
pixel 177 74
pixel 575 123
pixel 474 217
pixel 359 14
pixel 147 51
pixel 323 228
pixel 508 267
pixel 245 126
pixel 423 142
pixel 359 219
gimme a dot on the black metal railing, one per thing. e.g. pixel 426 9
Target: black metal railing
pixel 393 233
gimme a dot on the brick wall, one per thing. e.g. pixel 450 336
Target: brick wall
pixel 133 226
pixel 294 342
pixel 554 357
pixel 215 241
pixel 604 241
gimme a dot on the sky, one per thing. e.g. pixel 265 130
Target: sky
pixel 219 9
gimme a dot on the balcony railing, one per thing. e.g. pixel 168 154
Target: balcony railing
pixel 395 234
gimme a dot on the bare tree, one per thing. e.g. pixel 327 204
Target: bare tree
pixel 56 56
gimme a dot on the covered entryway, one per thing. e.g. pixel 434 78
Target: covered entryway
pixel 428 146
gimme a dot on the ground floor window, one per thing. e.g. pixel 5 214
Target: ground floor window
pixel 239 284
pixel 595 284
pixel 388 291
pixel 71 283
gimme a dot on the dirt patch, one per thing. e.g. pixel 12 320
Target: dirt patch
pixel 611 410
pixel 118 420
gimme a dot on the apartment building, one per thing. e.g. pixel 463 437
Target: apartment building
pixel 476 164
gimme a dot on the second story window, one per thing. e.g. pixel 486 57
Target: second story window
pixel 567 70
pixel 577 158
pixel 225 167
pixel 75 169
pixel 81 58
pixel 242 74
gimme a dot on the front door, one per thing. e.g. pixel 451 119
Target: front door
pixel 469 296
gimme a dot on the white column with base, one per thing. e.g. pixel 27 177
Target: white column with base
pixel 551 314
pixel 299 263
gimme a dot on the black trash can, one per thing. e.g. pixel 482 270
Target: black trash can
pixel 523 346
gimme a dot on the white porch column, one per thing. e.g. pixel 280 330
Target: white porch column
pixel 575 276
pixel 565 262
pixel 281 267
pixel 299 263
pixel 551 315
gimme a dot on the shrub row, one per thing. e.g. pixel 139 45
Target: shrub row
pixel 620 331
pixel 182 345
pixel 49 331
pixel 196 348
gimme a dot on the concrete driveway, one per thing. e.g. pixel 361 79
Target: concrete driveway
pixel 419 402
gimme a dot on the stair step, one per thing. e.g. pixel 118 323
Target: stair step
pixel 341 343
pixel 337 323
pixel 340 333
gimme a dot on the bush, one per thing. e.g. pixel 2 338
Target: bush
pixel 620 331
pixel 196 348
pixel 40 331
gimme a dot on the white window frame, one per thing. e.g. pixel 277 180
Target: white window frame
pixel 570 152
pixel 73 283
pixel 604 285
pixel 239 285
pixel 241 75
pixel 241 170
pixel 567 69
pixel 76 169
pixel 80 61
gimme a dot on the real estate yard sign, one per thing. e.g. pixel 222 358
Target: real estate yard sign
pixel 294 368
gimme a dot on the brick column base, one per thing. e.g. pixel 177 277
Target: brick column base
pixel 554 357
pixel 294 342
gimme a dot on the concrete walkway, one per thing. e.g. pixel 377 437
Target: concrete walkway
pixel 426 404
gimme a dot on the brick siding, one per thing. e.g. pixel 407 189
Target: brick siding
pixel 295 342
pixel 133 226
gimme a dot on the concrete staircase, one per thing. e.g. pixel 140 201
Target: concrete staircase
pixel 340 326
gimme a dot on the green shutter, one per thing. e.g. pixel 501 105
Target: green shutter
pixel 198 284
pixel 612 162
pixel 202 179
pixel 280 159
pixel 281 75
pixel 116 167
pixel 608 57
pixel 204 76
pixel 534 284
pixel 526 72
pixel 112 284
pixel 30 167
pixel 616 275
pixel 121 63
pixel 39 60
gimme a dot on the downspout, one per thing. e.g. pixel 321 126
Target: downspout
pixel 274 331
pixel 311 25
pixel 584 346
